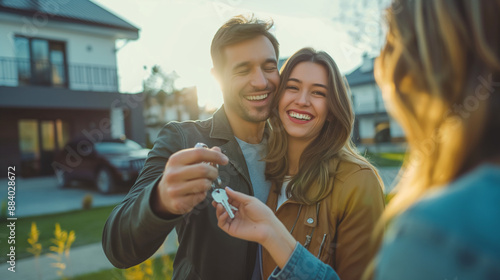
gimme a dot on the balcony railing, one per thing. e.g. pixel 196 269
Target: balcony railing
pixel 25 72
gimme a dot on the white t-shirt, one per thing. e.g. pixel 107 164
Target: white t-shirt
pixel 282 197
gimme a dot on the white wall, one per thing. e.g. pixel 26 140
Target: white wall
pixel 117 123
pixel 366 127
pixel 366 102
pixel 367 99
pixel 78 42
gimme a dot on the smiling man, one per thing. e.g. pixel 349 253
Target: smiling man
pixel 171 191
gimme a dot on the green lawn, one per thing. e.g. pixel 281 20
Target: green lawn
pixel 160 268
pixel 109 274
pixel 386 159
pixel 87 224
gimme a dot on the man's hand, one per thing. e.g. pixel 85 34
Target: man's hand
pixel 186 180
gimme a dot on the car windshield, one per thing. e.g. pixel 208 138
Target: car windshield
pixel 117 147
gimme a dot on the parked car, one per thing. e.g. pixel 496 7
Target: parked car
pixel 107 164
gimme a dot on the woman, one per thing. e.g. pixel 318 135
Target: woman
pixel 328 197
pixel 439 73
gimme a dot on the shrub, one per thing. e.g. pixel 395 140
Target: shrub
pixel 87 201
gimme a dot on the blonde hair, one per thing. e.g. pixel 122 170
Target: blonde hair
pixel 333 141
pixel 436 72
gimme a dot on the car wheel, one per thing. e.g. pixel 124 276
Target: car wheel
pixel 62 182
pixel 104 181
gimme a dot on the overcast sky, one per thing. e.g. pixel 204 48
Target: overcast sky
pixel 176 34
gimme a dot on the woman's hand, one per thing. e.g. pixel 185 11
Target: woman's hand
pixel 256 222
pixel 253 221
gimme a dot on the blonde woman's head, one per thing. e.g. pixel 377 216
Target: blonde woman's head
pixel 439 72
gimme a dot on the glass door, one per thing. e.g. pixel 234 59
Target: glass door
pixel 48 144
pixel 30 148
pixel 39 141
pixel 40 60
pixel 58 65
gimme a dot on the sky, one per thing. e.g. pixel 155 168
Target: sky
pixel 176 34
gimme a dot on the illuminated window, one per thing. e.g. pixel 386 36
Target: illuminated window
pixel 29 147
pixel 62 128
pixel 41 62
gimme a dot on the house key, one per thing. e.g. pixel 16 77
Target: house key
pixel 218 193
pixel 220 196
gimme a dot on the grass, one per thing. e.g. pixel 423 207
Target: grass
pixel 108 274
pixel 87 224
pixel 386 159
pixel 161 269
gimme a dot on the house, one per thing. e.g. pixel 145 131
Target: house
pixel 58 80
pixel 374 129
pixel 161 108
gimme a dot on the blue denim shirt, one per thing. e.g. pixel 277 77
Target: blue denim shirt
pixel 303 265
pixel 453 233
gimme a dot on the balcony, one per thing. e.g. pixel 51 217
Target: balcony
pixel 15 72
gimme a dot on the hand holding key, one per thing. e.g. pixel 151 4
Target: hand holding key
pixel 186 180
pixel 253 221
pixel 220 196
pixel 256 222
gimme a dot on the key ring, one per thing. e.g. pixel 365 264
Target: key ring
pixel 217 182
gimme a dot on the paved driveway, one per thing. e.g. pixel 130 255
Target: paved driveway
pixel 40 195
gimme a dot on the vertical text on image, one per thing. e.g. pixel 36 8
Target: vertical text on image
pixel 11 220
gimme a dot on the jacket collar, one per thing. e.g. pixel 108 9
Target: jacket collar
pixel 221 129
pixel 309 211
pixel 272 200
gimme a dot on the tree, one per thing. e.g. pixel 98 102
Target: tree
pixel 160 81
pixel 160 89
pixel 364 23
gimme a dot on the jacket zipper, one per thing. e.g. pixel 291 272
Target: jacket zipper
pixel 321 246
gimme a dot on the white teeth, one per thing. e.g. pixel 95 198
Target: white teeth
pixel 299 116
pixel 258 97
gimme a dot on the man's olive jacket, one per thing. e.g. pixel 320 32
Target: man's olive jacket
pixel 133 232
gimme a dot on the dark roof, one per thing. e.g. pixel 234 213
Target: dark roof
pixel 79 11
pixel 362 75
pixel 281 61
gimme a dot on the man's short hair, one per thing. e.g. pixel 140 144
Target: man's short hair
pixel 236 30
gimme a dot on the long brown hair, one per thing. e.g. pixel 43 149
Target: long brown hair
pixel 333 141
pixel 437 72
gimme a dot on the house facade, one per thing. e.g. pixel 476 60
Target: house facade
pixel 161 108
pixel 58 80
pixel 374 129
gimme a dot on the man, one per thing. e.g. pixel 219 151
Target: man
pixel 171 191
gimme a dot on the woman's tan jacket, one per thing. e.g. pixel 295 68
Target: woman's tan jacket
pixel 338 230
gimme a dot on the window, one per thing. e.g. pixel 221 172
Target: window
pixel 41 62
pixel 383 132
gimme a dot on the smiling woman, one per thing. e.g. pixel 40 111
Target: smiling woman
pixel 328 197
pixel 303 107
